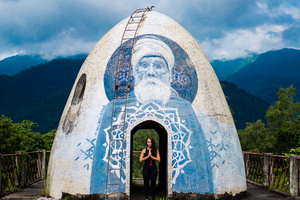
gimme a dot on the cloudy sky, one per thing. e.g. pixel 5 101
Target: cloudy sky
pixel 225 29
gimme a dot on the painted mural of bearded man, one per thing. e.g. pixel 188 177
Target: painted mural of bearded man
pixel 152 95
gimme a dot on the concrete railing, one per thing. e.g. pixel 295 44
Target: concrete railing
pixel 277 172
pixel 21 169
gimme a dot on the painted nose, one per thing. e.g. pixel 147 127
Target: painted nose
pixel 151 71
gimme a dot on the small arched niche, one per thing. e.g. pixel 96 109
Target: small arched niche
pixel 75 105
pixel 79 90
pixel 162 188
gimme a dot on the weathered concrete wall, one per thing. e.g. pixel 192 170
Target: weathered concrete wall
pixel 173 85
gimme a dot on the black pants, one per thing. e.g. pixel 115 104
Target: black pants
pixel 149 172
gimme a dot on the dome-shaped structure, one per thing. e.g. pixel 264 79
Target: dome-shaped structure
pixel 173 89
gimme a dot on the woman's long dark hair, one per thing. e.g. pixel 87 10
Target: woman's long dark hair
pixel 154 150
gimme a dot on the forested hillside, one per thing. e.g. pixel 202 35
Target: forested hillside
pixel 225 68
pixel 269 72
pixel 14 64
pixel 39 94
pixel 246 107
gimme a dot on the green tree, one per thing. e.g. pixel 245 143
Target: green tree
pixel 256 138
pixel 20 137
pixel 17 136
pixel 48 139
pixel 285 112
pixel 283 120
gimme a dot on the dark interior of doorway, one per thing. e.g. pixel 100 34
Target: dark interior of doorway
pixel 163 150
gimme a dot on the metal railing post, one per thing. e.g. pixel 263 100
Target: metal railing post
pixel 266 169
pixel 294 177
pixel 246 165
pixel 44 154
pixel 23 172
pixel 39 163
pixel 17 162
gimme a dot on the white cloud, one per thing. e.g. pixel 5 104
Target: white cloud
pixel 291 10
pixel 224 28
pixel 241 42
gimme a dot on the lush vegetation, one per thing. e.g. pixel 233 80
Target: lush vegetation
pixel 39 93
pixel 246 107
pixel 139 143
pixel 20 137
pixel 282 132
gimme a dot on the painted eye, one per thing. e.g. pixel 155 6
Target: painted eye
pixel 145 65
pixel 158 65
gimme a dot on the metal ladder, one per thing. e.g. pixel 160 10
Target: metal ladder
pixel 121 90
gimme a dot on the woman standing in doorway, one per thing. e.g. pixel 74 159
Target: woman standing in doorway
pixel 150 155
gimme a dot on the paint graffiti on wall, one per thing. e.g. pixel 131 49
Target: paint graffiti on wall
pixel 87 147
pixel 162 88
pixel 182 71
pixel 180 137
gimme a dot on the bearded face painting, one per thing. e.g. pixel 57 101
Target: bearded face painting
pixel 162 92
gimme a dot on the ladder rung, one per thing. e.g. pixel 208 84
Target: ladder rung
pixel 137 17
pixel 126 48
pixel 143 9
pixel 119 125
pixel 113 184
pixel 120 97
pixel 127 38
pixel 122 85
pixel 119 111
pixel 123 69
pixel 133 22
pixel 123 59
pixel 131 30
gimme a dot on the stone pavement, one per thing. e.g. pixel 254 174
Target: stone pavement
pixel 31 192
pixel 257 193
pixel 254 193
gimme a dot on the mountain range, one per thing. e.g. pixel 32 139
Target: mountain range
pixel 263 74
pixel 39 93
pixel 15 64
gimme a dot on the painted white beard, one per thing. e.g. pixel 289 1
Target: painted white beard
pixel 152 90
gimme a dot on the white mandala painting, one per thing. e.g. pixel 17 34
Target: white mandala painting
pixel 169 116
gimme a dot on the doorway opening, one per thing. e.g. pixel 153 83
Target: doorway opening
pixel 142 131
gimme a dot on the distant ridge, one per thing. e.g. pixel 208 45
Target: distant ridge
pixel 39 93
pixel 225 68
pixel 284 62
pixel 269 72
pixel 15 64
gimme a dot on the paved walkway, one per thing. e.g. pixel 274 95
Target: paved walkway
pixel 31 192
pixel 254 193
pixel 257 193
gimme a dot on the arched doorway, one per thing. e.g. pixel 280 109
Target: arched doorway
pixel 163 150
